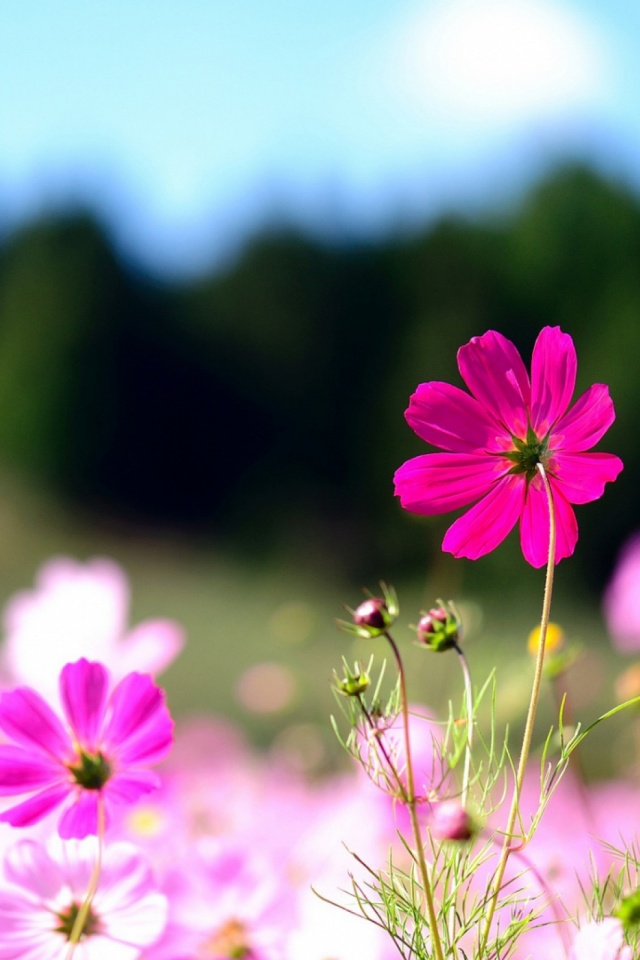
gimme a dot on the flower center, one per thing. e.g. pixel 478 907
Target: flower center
pixel 67 918
pixel 230 941
pixel 91 771
pixel 528 453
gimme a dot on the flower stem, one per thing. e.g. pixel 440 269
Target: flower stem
pixel 469 709
pixel 411 804
pixel 83 913
pixel 531 715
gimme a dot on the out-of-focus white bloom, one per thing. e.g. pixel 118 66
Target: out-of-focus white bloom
pixel 42 888
pixel 80 610
pixel 601 941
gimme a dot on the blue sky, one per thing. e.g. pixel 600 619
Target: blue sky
pixel 186 122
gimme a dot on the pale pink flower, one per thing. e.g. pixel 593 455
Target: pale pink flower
pixel 621 600
pixel 601 940
pixel 98 753
pixel 494 437
pixel 226 900
pixel 42 888
pixel 76 610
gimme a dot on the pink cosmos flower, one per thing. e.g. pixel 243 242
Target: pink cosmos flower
pixel 42 888
pixel 80 609
pixel 494 438
pixel 99 752
pixel 621 601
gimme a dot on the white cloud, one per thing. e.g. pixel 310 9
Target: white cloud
pixel 495 63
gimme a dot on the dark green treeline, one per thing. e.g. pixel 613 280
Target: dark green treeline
pixel 263 404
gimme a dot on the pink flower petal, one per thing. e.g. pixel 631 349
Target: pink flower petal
pixel 35 808
pixel 534 526
pixel 553 377
pixel 29 720
pixel 449 418
pixel 83 690
pixel 140 728
pixel 81 818
pixel 438 482
pixel 130 786
pixel 28 864
pixel 493 370
pixel 21 771
pixel 582 476
pixel 150 647
pixel 586 422
pixel 483 527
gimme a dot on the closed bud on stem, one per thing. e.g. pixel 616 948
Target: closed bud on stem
pixel 374 616
pixel 440 628
pixel 451 821
pixel 628 910
pixel 354 683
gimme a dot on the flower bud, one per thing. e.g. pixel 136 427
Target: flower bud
pixel 353 684
pixel 439 629
pixel 450 821
pixel 372 615
pixel 628 910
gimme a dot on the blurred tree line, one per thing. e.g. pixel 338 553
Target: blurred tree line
pixel 262 405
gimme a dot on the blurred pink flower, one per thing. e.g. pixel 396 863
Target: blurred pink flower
pixel 602 940
pixel 621 600
pixel 495 436
pixel 226 901
pixel 43 887
pixel 100 751
pixel 76 610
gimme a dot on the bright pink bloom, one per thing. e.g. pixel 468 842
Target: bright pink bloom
pixel 43 887
pixel 495 436
pixel 100 751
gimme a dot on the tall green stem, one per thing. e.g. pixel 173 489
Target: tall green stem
pixel 83 913
pixel 531 715
pixel 411 804
pixel 469 710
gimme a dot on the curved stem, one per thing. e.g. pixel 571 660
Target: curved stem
pixel 469 708
pixel 379 733
pixel 83 913
pixel 531 715
pixel 411 804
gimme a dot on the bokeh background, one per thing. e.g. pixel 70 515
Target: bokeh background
pixel 233 238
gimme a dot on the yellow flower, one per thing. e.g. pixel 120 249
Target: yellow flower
pixel 554 640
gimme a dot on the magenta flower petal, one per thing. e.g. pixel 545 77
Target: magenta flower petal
pixel 500 438
pixel 36 807
pixel 113 741
pixel 553 377
pixel 534 526
pixel 493 370
pixel 83 690
pixel 130 786
pixel 438 482
pixel 140 724
pixel 483 527
pixel 81 818
pixel 586 422
pixel 582 476
pixel 449 418
pixel 21 772
pixel 29 720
